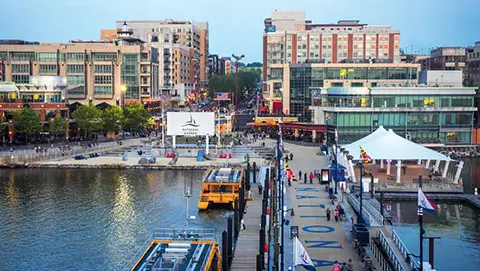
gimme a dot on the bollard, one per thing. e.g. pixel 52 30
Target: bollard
pixel 224 251
pixel 230 240
pixel 254 172
pixel 241 197
pixel 259 262
pixel 261 247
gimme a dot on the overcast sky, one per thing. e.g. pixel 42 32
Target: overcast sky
pixel 236 26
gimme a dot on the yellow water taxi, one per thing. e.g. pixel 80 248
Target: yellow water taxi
pixel 220 186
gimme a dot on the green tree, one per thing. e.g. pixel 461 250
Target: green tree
pixel 27 122
pixel 113 119
pixel 135 117
pixel 57 125
pixel 88 118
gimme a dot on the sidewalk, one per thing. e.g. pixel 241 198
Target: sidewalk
pixel 325 241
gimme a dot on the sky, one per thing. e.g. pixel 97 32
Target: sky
pixel 237 26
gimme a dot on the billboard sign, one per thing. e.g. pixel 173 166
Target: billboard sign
pixel 190 123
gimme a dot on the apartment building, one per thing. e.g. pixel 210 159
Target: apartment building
pixel 290 38
pixel 101 72
pixel 446 58
pixel 193 35
pixel 472 69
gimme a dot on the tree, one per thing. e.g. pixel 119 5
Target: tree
pixel 57 125
pixel 27 122
pixel 135 117
pixel 247 80
pixel 88 118
pixel 113 119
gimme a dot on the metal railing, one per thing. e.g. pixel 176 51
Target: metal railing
pixel 373 212
pixel 414 263
pixel 365 214
pixel 390 251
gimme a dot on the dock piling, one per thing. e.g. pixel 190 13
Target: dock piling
pixel 254 172
pixel 235 219
pixel 230 240
pixel 224 251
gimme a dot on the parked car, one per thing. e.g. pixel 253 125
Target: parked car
pixel 124 133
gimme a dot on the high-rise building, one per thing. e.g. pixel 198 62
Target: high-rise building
pixel 472 69
pixel 290 38
pixel 97 71
pixel 446 58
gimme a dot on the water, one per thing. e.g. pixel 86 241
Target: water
pixel 67 219
pixel 471 174
pixel 458 226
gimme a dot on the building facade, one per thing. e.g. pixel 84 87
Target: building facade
pixel 446 58
pixel 290 87
pixel 290 38
pixel 472 69
pixel 425 115
pixel 101 72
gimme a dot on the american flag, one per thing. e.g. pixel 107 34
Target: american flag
pixel 222 96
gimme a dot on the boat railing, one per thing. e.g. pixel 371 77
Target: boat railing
pixel 177 234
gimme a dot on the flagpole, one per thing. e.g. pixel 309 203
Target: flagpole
pixel 420 224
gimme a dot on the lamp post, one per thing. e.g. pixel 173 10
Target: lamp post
pixel 123 88
pixel 237 58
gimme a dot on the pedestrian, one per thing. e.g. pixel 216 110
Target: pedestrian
pixel 260 188
pixel 286 159
pixel 349 265
pixel 328 214
pixel 336 215
pixel 291 156
pixel 242 223
pixel 336 267
pixel 249 194
pixel 300 174
pixel 475 192
pixel 305 177
pixel 311 178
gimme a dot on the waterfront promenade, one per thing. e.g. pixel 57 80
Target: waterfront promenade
pixel 325 241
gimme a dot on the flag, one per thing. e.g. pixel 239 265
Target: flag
pixel 425 203
pixel 364 156
pixel 222 96
pixel 301 257
pixel 328 116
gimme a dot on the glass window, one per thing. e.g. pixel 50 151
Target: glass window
pixel 80 90
pixel 377 73
pixel 75 68
pixel 23 56
pixel 21 79
pixel 20 68
pixel 334 73
pixel 76 80
pixel 75 57
pixel 104 56
pixel 48 57
pixel 398 73
pixel 48 68
pixel 103 68
pixel 103 79
pixel 103 90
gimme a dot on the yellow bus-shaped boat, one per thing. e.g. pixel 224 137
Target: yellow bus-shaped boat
pixel 220 187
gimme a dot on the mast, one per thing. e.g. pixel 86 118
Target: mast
pixel 187 194
pixel 420 224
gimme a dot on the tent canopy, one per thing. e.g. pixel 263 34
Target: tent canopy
pixel 391 146
pixel 377 133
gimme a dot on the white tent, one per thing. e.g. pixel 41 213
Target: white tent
pixel 391 146
pixel 356 145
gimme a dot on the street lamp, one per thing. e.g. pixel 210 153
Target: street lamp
pixel 123 88
pixel 237 58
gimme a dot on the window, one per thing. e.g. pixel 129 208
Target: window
pixel 103 79
pixel 104 56
pixel 23 56
pixel 103 90
pixel 20 68
pixel 48 57
pixel 75 57
pixel 337 84
pixel 21 79
pixel 76 80
pixel 103 68
pixel 48 68
pixel 75 68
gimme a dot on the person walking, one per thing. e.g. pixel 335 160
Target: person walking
pixel 300 174
pixel 328 214
pixel 286 158
pixel 336 266
pixel 242 223
pixel 336 215
pixel 311 178
pixel 260 188
pixel 291 156
pixel 305 177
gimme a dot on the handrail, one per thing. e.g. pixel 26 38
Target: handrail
pixel 374 212
pixel 414 263
pixel 390 252
pixel 373 221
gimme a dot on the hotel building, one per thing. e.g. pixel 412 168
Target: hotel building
pixel 291 39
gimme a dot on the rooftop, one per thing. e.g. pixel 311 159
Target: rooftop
pixel 224 175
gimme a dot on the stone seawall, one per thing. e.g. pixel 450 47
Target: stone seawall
pixel 115 166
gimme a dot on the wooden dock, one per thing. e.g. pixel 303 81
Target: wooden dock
pixel 247 246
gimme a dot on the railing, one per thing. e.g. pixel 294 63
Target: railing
pixel 373 212
pixel 414 263
pixel 396 262
pixel 356 205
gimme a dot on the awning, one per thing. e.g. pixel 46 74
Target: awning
pixel 391 146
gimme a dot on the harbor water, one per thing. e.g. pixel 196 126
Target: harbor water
pixel 90 219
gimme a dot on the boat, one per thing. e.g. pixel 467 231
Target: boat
pixel 220 187
pixel 178 249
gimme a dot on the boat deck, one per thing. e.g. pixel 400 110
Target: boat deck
pixel 223 175
pixel 176 251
